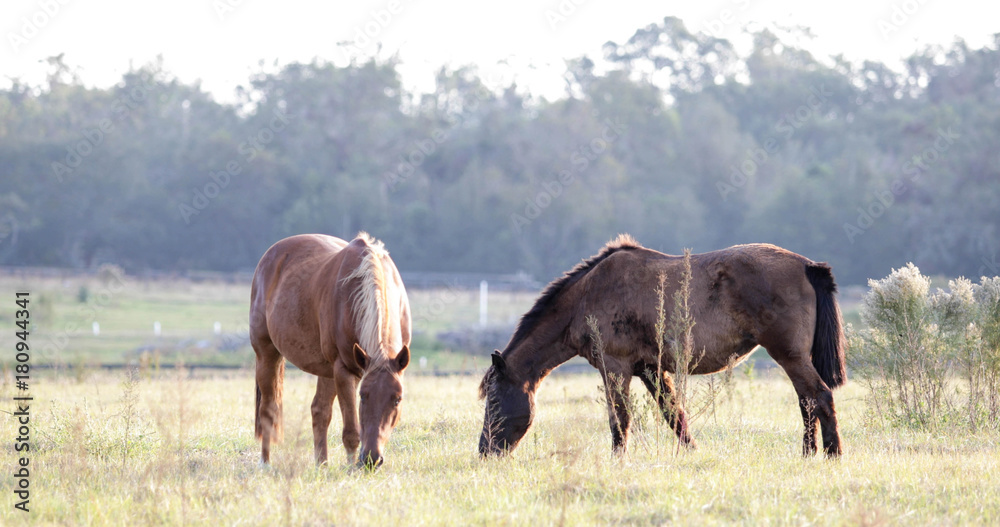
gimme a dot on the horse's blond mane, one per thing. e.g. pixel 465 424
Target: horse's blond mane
pixel 370 305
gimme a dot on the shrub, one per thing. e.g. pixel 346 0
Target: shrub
pixel 918 344
pixel 983 357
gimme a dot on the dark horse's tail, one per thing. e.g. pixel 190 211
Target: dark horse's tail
pixel 828 337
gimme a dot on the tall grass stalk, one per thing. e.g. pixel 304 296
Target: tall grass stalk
pixel 660 328
pixel 680 335
pixel 129 415
pixel 674 336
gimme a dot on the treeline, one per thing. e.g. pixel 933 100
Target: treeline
pixel 672 136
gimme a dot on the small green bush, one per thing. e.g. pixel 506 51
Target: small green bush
pixel 930 359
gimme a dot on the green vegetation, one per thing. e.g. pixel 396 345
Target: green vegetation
pixel 916 343
pixel 111 450
pixel 672 136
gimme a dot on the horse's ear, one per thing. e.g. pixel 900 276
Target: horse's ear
pixel 403 359
pixel 360 357
pixel 498 363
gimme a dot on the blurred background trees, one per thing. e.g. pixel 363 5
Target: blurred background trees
pixel 671 136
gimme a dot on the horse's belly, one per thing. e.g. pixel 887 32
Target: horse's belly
pixel 722 359
pixel 308 360
pixel 318 368
pixel 301 347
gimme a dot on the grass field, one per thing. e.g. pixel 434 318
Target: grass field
pixel 176 447
pixel 180 449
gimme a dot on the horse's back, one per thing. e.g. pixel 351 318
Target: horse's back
pixel 737 295
pixel 288 263
pixel 285 294
pixel 764 293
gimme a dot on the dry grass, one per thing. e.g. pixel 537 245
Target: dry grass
pixel 189 456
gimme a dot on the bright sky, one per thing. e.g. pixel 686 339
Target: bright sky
pixel 221 42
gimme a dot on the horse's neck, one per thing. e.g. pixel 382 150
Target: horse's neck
pixel 393 327
pixel 537 356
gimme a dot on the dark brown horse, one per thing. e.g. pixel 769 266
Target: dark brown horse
pixel 337 310
pixel 739 297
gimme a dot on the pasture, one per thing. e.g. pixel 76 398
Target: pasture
pixel 177 446
pixel 179 449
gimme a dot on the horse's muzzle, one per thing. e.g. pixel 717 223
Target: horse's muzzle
pixel 370 460
pixel 489 446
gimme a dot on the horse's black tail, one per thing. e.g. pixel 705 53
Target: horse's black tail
pixel 256 416
pixel 828 337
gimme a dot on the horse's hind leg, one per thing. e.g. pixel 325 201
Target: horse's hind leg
pixel 270 379
pixel 815 403
pixel 322 412
pixel 661 387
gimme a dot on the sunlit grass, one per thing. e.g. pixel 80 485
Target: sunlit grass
pixel 192 458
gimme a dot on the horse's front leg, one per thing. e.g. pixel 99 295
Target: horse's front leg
pixel 661 387
pixel 347 389
pixel 616 389
pixel 322 412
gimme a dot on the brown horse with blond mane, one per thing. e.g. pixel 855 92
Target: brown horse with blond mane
pixel 740 297
pixel 339 311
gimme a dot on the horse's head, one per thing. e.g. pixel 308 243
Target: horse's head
pixel 510 408
pixel 381 395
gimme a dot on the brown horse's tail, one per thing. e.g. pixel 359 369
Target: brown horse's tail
pixel 828 337
pixel 256 416
pixel 276 430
